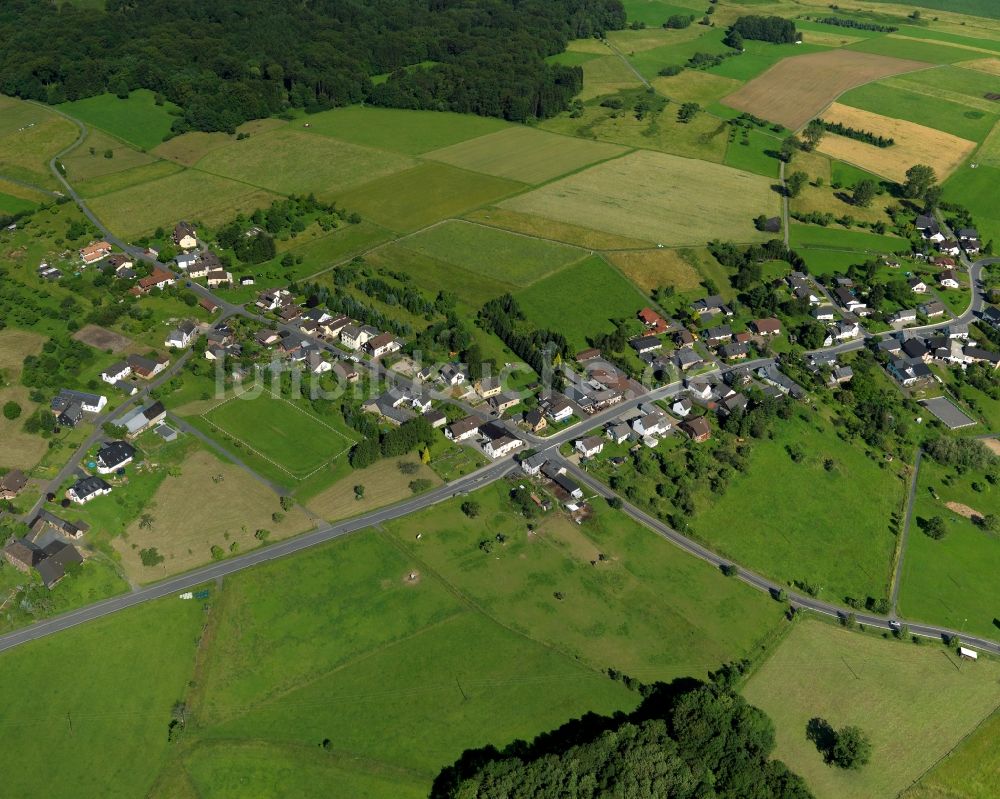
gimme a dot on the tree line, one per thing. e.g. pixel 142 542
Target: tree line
pixel 860 135
pixel 229 61
pixel 858 25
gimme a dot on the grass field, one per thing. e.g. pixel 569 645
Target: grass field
pixel 20 450
pixel 137 120
pixel 838 202
pixel 281 432
pixel 757 156
pixel 645 194
pixel 807 236
pixel 969 771
pixel 794 90
pixel 989 66
pixel 895 46
pixel 695 86
pixel 29 136
pixel 915 144
pixel 124 179
pixel 234 506
pixel 497 254
pixel 653 12
pixel 384 484
pixel 805 535
pixel 979 8
pixel 913 106
pixel 682 46
pixel 761 56
pixel 291 161
pixel 976 190
pixel 526 154
pixel 915 703
pixel 989 153
pixel 14 205
pixel 557 231
pixel 951 582
pixel 82 164
pixel 581 301
pixel 964 86
pixel 409 132
pixel 651 269
pixel 208 199
pixel 606 75
pixel 189 148
pixel 443 192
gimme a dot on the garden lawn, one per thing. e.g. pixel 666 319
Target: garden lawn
pixel 952 582
pixel 526 154
pixel 137 120
pixel 581 301
pixel 425 194
pixel 914 702
pixel 281 432
pixel 409 132
pixel 818 527
pixel 508 257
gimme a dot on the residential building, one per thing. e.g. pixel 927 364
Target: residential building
pixel 932 309
pixel 775 377
pixel 147 368
pixel 535 420
pixel 645 344
pixel 118 371
pixel 533 464
pixel 619 433
pixel 452 374
pixel 498 447
pixel 12 483
pixel 141 419
pixel 697 428
pixel 904 317
pixel 949 279
pixel 185 236
pixel 89 403
pixel 218 277
pixel 558 408
pixel 383 344
pixel 94 252
pixel 823 313
pixel 656 423
pixel 487 387
pixel 590 446
pixel 181 336
pixel 86 489
pixel 113 456
pixel 463 429
pixel 356 336
pixel 917 286
pixel 653 321
pixel 682 406
pixel 504 401
pixel 767 327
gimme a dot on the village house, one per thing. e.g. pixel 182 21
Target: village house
pixel 140 420
pixel 354 337
pixel 734 351
pixel 317 364
pixel 186 262
pixel 345 371
pixel 46 522
pixel 645 344
pixel 711 306
pixel 929 228
pixel 267 338
pixel 655 423
pixel 157 279
pixel 504 401
pixel 909 374
pixel 12 484
pixel 383 344
pixel 906 316
pixel 618 432
pixel 842 331
pixel 558 408
pixel 767 327
pixel 50 273
pixel 590 446
pixel 487 387
pixel 697 429
pixel 533 464
pixel 86 489
pixel 682 406
pixel 686 359
pixel 390 406
pixel 984 356
pixel 218 277
pixel 732 403
pixel 185 236
pixel 113 456
pixel 700 389
pixel 847 300
pixel 772 375
pixel 94 252
pixel 452 374
pixel 498 447
pixel 89 403
pixel 331 328
pixel 932 309
pixel 949 279
pixel 823 313
pixel 273 299
pixel 435 418
pixel 916 285
pixel 950 247
pixel 208 304
pixel 587 355
pixel 50 561
pixel 943 260
pixel 684 338
pixel 116 372
pixel 463 429
pixel 653 321
pixel 182 336
pixel 147 368
pixel 557 474
pixel 717 335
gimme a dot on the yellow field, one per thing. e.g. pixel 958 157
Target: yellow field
pixel 198 509
pixel 186 195
pixel 659 197
pixel 915 144
pixel 19 449
pixel 557 231
pixel 829 38
pixel 650 269
pixel 795 89
pixel 630 41
pixel 525 154
pixel 384 484
pixel 17 190
pixel 991 66
pixel 606 75
pixel 837 202
pixel 81 165
pixel 695 86
pixel 189 148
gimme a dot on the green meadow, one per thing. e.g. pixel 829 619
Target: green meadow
pixel 137 120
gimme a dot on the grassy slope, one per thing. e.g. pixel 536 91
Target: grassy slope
pixel 137 120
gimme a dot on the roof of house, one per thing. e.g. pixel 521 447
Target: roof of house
pixel 86 486
pixel 769 325
pixel 466 425
pixel 591 442
pixel 14 480
pixel 646 343
pixel 58 555
pixel 723 331
pixel 116 368
pixel 115 452
pixel 68 396
pixel 696 427
pixel 534 417
pixel 23 552
pixel 380 340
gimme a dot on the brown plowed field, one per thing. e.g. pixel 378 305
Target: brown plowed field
pixel 795 90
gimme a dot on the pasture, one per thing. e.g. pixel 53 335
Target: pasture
pixel 903 103
pixel 646 194
pixel 898 46
pixel 556 231
pixel 951 582
pixel 651 269
pixel 295 162
pixel 118 180
pixel 695 86
pixel 90 160
pixel 137 120
pixel 580 301
pixel 606 75
pixel 11 204
pixel 233 507
pixel 976 190
pixel 914 702
pixel 443 191
pixel 497 254
pixel 758 57
pixel 29 136
pixel 653 12
pixel 526 154
pixel 199 196
pixel 969 771
pixel 20 450
pixel 385 484
pixel 915 144
pixel 801 536
pixel 963 86
pixel 281 432
pixel 989 66
pixel 989 153
pixel 758 155
pixel 189 148
pixel 796 89
pixel 407 132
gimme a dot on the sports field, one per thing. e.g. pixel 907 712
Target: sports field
pixel 137 120
pixel 409 132
pixel 291 161
pixel 281 432
pixel 914 144
pixel 443 191
pixel 657 197
pixel 233 506
pixel 796 89
pixel 526 154
pixel 914 702
pixel 142 207
pixel 581 301
pixel 951 582
pixel 496 254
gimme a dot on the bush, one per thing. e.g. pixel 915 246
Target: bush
pixel 471 508
pixel 11 410
pixel 150 557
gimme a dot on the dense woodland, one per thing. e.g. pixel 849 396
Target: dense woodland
pixel 228 61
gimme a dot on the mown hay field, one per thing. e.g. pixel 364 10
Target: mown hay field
pixel 556 231
pixel 116 181
pixel 497 254
pixel 695 86
pixel 526 154
pixel 991 66
pixel 209 199
pixel 19 450
pixel 233 506
pixel 606 75
pixel 989 153
pixel 293 162
pixel 89 160
pixel 385 483
pixel 658 197
pixel 796 89
pixel 137 119
pixel 425 194
pixel 915 144
pixel 914 702
pixel 650 269
pixel 969 772
pixel 29 136
pixel 189 148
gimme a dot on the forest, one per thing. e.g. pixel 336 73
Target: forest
pixel 229 61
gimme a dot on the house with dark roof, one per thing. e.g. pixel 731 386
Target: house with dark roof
pixel 58 558
pixel 12 483
pixel 47 522
pixel 185 236
pixel 86 489
pixel 716 335
pixel 645 344
pixel 90 403
pixel 766 327
pixel 113 456
pixel 535 420
pixel 147 368
pixel 697 428
pixel 463 429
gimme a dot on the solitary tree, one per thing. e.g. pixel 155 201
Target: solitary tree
pixel 795 183
pixel 11 410
pixel 813 134
pixel 919 178
pixel 934 527
pixel 852 748
pixel 864 192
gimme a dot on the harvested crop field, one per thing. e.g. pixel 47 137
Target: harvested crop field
pixel 525 154
pixel 991 66
pixel 554 231
pixel 650 269
pixel 795 90
pixel 657 197
pixel 915 144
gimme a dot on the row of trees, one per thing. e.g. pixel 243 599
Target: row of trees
pixel 246 59
pixel 776 30
pixel 856 24
pixel 865 136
